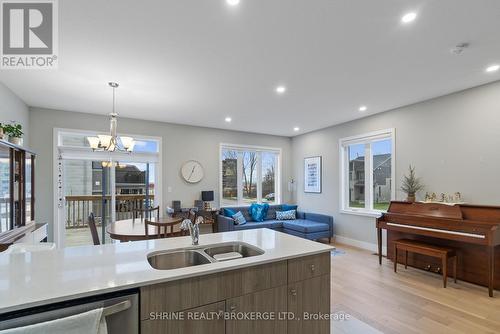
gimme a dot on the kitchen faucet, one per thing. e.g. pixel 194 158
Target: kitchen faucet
pixel 194 228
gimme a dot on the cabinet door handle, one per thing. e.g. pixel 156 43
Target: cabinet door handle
pixel 293 292
pixel 313 268
pixel 232 308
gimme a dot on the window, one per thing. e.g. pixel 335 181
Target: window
pixel 367 172
pixel 248 175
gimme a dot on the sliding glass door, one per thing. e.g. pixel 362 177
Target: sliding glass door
pixel 108 190
pixel 134 187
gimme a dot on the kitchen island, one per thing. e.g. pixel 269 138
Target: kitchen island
pixel 289 274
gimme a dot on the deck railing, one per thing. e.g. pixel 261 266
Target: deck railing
pixel 79 207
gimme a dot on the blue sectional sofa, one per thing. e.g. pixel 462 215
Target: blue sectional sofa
pixel 311 226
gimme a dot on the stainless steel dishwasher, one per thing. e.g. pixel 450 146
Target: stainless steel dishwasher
pixel 122 311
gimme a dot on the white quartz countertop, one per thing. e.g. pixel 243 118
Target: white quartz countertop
pixel 33 279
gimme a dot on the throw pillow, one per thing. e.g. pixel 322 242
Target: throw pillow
pixel 228 212
pixel 239 219
pixel 258 212
pixel 288 207
pixel 286 215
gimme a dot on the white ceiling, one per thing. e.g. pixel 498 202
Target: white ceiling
pixel 199 61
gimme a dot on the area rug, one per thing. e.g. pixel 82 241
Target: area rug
pixel 337 252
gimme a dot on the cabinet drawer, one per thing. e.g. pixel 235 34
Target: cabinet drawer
pixel 308 267
pixel 189 322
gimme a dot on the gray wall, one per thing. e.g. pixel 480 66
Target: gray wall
pixel 12 108
pixel 180 143
pixel 454 142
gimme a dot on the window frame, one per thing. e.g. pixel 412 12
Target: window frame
pixel 367 139
pixel 258 150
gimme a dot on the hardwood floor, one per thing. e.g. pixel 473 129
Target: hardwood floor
pixel 411 301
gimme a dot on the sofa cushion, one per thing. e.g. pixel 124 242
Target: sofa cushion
pixel 286 215
pixel 258 211
pixel 239 219
pixel 228 212
pixel 288 207
pixel 271 212
pixel 266 224
pixel 305 226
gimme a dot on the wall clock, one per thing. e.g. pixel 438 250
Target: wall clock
pixel 192 171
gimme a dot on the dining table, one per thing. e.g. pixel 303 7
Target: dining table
pixel 134 229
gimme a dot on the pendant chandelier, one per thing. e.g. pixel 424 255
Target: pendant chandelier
pixel 111 142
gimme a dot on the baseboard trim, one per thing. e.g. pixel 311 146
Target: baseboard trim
pixel 359 244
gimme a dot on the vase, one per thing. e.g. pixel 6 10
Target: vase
pixel 16 140
pixel 411 198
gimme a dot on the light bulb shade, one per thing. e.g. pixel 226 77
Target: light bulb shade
pixel 131 147
pixel 105 140
pixel 127 142
pixel 93 142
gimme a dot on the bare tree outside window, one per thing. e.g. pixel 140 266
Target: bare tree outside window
pixel 268 177
pixel 229 177
pixel 249 161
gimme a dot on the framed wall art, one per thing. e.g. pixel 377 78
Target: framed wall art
pixel 312 175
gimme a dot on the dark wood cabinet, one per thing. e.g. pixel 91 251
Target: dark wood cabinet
pixel 309 300
pixel 213 324
pixel 256 299
pixel 268 303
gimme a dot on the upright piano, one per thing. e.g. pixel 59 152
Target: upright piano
pixel 473 230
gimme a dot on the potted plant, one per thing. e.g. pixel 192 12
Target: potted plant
pixel 15 133
pixel 411 185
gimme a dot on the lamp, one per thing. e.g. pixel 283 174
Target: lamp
pixel 112 142
pixel 207 197
pixel 128 143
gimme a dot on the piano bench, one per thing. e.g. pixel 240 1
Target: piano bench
pixel 417 247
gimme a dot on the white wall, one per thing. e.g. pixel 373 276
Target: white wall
pixel 12 108
pixel 180 143
pixel 453 141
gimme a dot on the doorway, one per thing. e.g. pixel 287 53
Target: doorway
pixel 109 185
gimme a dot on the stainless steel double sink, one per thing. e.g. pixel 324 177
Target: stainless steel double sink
pixel 188 257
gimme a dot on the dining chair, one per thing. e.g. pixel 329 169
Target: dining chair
pixel 159 227
pixel 165 227
pixel 93 229
pixel 146 213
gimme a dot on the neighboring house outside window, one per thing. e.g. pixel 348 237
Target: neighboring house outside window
pixel 367 172
pixel 249 174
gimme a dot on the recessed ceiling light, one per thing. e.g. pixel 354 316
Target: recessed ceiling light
pixel 296 129
pixel 233 2
pixel 493 68
pixel 409 17
pixel 280 89
pixel 228 119
pixel 363 108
